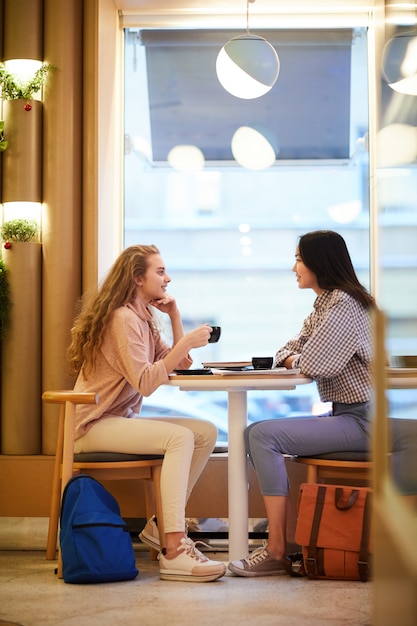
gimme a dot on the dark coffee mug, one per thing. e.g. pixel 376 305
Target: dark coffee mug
pixel 215 334
pixel 262 362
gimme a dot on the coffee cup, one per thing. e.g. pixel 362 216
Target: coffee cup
pixel 262 362
pixel 215 334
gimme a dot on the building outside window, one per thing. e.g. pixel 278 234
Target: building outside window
pixel 227 232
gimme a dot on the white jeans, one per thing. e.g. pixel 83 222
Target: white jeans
pixel 186 444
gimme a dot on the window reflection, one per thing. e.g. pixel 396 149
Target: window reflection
pixel 397 193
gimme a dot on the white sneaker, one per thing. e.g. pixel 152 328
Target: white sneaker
pixel 150 534
pixel 190 565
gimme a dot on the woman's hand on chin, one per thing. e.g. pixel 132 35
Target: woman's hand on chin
pixel 167 304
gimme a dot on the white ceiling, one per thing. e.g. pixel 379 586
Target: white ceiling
pixel 225 6
pixel 232 13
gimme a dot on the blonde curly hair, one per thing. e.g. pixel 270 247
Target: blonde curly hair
pixel 117 289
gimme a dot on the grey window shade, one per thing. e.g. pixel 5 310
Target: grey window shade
pixel 306 116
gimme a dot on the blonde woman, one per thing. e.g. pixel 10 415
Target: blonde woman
pixel 118 352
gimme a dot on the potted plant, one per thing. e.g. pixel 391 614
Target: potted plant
pixel 22 230
pixel 13 88
pixel 22 115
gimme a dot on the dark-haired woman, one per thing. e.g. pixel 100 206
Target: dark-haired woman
pixel 334 348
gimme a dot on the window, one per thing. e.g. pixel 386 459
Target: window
pixel 227 234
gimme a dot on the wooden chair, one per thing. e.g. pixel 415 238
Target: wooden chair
pixel 100 465
pixel 337 466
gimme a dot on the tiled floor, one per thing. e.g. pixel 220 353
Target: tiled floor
pixel 31 595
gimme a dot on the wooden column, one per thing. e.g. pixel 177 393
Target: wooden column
pixel 20 397
pixel 63 164
pixel 22 161
pixel 21 182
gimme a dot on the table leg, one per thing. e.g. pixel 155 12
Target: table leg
pixel 237 475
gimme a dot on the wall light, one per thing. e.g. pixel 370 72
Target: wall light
pixel 22 210
pixel 247 66
pixel 24 70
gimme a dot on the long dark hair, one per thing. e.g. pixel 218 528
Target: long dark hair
pixel 325 253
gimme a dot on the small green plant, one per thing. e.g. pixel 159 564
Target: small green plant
pixel 3 143
pixel 14 89
pixel 4 299
pixel 20 230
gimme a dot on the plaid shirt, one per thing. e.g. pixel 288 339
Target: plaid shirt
pixel 335 348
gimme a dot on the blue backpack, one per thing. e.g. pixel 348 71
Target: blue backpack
pixel 95 542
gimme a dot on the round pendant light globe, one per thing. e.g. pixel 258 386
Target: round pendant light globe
pixel 247 66
pixel 251 149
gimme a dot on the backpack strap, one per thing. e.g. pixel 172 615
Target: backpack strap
pixel 363 562
pixel 311 560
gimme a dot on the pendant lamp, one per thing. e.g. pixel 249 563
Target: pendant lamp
pixel 399 63
pixel 251 149
pixel 247 66
pixel 186 158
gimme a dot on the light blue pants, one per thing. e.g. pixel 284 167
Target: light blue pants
pixel 346 429
pixel 403 460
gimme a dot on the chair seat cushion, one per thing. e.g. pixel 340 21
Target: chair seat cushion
pixel 341 456
pixel 112 457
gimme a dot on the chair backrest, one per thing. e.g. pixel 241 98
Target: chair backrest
pixel 94 462
pixel 66 427
pixel 100 465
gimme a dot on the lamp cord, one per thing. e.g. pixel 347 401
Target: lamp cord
pixel 247 15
